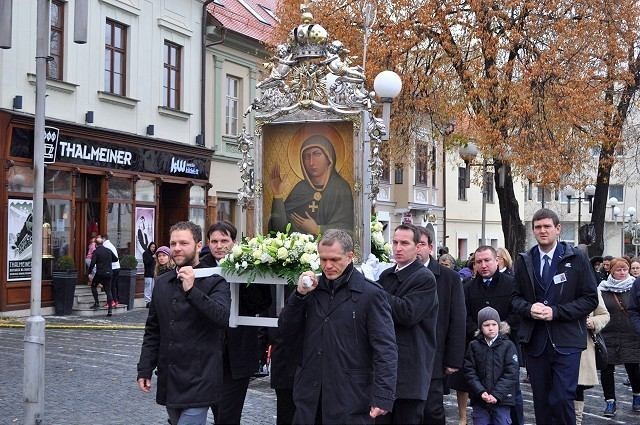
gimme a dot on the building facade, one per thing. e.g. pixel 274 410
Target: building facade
pixel 128 160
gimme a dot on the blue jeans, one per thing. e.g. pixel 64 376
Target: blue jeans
pixel 188 416
pixel 148 288
pixel 493 415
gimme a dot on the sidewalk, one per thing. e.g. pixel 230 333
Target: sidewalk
pixel 132 319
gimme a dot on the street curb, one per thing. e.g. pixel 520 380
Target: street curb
pixel 87 327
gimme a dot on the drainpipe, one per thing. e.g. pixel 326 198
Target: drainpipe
pixel 203 64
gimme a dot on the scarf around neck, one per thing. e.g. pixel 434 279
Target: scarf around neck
pixel 615 285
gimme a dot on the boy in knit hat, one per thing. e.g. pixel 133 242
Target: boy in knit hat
pixel 491 369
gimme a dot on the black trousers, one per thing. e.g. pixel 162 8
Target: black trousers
pixel 228 407
pixel 284 406
pixel 114 285
pixel 405 411
pixel 608 382
pixel 434 406
pixel 105 280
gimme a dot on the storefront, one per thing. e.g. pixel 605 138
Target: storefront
pixel 129 187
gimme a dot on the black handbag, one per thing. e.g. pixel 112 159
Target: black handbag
pixel 600 349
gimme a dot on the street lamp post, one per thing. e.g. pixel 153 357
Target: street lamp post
pixel 468 153
pixel 625 222
pixel 589 192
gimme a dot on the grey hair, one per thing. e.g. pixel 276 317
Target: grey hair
pixel 332 236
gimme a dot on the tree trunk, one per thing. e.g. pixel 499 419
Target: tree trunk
pixel 512 226
pixel 600 200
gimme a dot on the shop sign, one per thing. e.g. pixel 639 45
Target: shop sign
pixel 51 135
pixel 20 238
pixel 64 149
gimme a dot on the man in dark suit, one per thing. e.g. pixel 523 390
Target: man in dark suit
pixel 241 347
pixel 450 330
pixel 491 288
pixel 555 291
pixel 411 291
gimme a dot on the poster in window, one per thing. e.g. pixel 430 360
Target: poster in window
pixel 308 177
pixel 145 219
pixel 20 221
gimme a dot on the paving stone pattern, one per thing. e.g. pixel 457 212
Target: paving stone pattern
pixel 90 380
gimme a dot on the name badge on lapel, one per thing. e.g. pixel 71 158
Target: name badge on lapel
pixel 559 278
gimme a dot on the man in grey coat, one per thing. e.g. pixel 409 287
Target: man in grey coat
pixel 347 374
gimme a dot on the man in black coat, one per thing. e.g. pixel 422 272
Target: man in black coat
pixel 555 291
pixel 241 344
pixel 347 374
pixel 411 291
pixel 101 260
pixel 184 333
pixel 491 288
pixel 450 329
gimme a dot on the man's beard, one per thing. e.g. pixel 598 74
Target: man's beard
pixel 189 260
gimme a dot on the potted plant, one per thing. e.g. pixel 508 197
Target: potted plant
pixel 127 280
pixel 65 277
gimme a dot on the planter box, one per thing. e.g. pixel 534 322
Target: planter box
pixel 127 287
pixel 235 281
pixel 64 289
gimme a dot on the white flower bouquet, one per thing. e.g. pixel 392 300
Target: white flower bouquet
pixel 285 255
pixel 379 248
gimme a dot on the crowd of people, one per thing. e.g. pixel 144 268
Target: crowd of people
pixel 350 350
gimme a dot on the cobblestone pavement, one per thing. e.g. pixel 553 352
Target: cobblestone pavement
pixel 90 372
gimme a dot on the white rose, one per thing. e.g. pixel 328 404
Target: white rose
pixel 378 238
pixel 282 253
pixel 310 247
pixel 377 227
pixel 305 258
pixel 236 251
pixel 257 254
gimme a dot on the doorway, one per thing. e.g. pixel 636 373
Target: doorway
pixel 88 214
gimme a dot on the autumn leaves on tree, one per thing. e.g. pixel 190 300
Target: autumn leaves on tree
pixel 537 85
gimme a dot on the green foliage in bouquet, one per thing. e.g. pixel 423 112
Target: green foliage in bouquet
pixel 379 248
pixel 285 255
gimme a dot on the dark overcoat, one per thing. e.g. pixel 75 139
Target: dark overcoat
pixel 623 345
pixel 571 299
pixel 183 340
pixel 494 369
pixel 242 346
pixel 349 351
pixel 451 320
pixel 414 306
pixel 634 306
pixel 497 295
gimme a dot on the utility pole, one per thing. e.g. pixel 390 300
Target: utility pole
pixel 34 338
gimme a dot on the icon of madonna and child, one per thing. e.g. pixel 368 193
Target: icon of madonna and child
pixel 312 190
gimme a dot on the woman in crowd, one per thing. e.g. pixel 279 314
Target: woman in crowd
pixel 596 321
pixel 505 263
pixel 87 259
pixel 447 261
pixel 164 263
pixel 149 262
pixel 634 269
pixel 623 345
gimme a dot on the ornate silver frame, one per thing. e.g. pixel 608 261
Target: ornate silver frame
pixel 312 80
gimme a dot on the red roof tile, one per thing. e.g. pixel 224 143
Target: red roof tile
pixel 236 16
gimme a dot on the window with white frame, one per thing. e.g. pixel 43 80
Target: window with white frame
pixel 616 191
pixel 232 105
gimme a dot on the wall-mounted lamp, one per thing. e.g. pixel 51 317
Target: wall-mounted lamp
pixel 88 117
pixel 17 102
pixel 199 140
pixel 150 130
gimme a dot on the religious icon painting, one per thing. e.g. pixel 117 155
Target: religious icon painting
pixel 308 176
